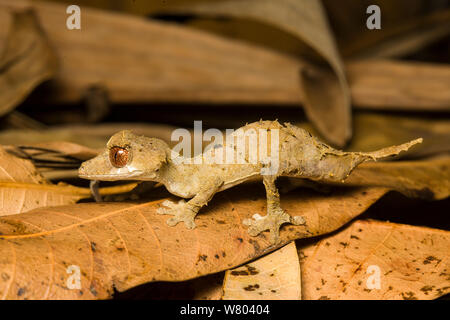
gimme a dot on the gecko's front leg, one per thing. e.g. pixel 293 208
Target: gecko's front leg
pixel 275 217
pixel 186 211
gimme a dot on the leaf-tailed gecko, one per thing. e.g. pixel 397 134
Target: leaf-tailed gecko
pixel 299 154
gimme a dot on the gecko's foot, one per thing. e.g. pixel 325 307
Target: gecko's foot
pixel 180 212
pixel 272 222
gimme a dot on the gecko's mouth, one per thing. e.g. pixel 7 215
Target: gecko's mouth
pixel 111 177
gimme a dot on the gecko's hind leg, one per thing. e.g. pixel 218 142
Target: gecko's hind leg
pixel 180 211
pixel 275 217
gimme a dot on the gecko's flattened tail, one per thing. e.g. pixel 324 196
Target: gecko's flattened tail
pixel 337 165
pixel 390 151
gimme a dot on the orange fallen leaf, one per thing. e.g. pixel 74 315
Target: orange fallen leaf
pixel 378 260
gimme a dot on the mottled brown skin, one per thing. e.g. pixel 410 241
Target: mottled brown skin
pixel 300 155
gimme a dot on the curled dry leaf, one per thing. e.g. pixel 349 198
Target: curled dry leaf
pixel 325 89
pixel 273 277
pixel 378 260
pixel 122 245
pixel 26 61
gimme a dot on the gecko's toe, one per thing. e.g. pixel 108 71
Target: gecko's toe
pixel 162 211
pixel 271 222
pixel 298 220
pixel 188 220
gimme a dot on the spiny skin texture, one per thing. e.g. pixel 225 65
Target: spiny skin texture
pixel 300 155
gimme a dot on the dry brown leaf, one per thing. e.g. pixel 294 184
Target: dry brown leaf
pixel 273 277
pixel 26 61
pixel 412 263
pixel 122 245
pixel 390 84
pixel 326 94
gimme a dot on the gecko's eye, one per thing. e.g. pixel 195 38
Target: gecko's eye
pixel 118 157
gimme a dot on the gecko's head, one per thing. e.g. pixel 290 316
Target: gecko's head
pixel 127 157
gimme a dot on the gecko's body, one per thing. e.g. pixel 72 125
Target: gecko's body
pixel 131 157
